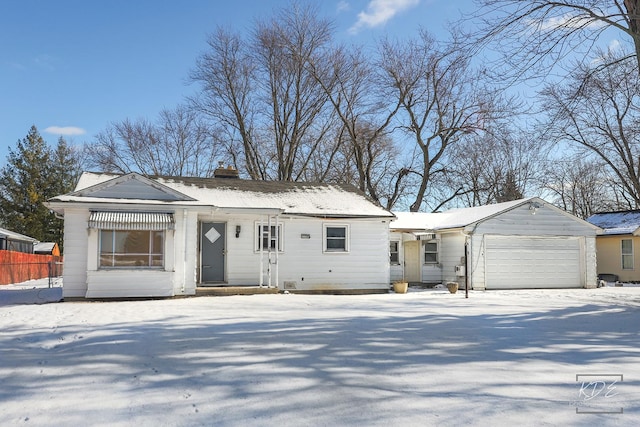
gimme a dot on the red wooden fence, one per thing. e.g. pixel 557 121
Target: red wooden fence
pixel 16 267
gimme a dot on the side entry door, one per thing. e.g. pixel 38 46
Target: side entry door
pixel 212 252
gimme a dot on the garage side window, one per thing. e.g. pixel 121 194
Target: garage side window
pixel 627 254
pixel 394 254
pixel 131 249
pixel 431 252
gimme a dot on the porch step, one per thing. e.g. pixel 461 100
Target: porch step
pixel 233 290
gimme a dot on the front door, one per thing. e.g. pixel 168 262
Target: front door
pixel 212 251
pixel 412 262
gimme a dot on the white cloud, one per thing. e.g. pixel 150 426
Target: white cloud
pixel 65 130
pixel 343 6
pixel 614 45
pixel 566 21
pixel 380 11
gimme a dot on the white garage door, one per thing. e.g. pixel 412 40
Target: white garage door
pixel 515 262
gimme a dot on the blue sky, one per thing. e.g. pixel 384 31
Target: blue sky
pixel 71 67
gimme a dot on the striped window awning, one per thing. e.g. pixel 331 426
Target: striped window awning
pixel 132 220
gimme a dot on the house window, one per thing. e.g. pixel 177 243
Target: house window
pixel 131 249
pixel 336 238
pixel 269 237
pixel 627 254
pixel 431 252
pixel 394 254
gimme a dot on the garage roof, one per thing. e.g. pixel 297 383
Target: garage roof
pixel 454 218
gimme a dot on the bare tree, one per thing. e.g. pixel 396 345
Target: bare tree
pixel 369 156
pixel 536 35
pixel 262 95
pixel 499 165
pixel 441 99
pixel 598 113
pixel 580 186
pixel 178 144
pixel 227 75
pixel 297 104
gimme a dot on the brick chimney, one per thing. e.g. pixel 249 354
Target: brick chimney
pixel 228 172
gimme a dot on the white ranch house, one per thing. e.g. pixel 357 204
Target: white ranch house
pixel 133 236
pixel 526 243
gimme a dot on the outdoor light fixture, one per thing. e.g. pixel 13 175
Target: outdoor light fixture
pixel 534 206
pixel 237 231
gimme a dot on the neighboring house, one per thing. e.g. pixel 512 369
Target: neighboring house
pixel 132 236
pixel 46 248
pixel 11 241
pixel 525 243
pixel 619 245
pixel 52 250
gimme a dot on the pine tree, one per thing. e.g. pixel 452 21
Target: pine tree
pixel 509 190
pixel 34 173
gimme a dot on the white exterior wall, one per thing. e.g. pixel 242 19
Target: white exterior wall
pixel 591 269
pixel 129 283
pixel 429 273
pixel 520 222
pixel 302 264
pixel 185 252
pixel 75 253
pixel 451 255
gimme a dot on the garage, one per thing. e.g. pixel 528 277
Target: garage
pixel 521 244
pixel 522 262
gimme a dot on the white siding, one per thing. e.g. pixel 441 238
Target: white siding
pixel 134 189
pixel 108 283
pixel 452 254
pixel 75 253
pixel 183 250
pixel 129 283
pixel 591 273
pixel 302 263
pixel 547 223
pixel 431 273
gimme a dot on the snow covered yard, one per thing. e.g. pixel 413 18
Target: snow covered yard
pixel 422 358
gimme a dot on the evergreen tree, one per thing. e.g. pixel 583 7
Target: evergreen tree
pixel 34 173
pixel 509 190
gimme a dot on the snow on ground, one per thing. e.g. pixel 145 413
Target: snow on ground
pixel 417 359
pixel 38 291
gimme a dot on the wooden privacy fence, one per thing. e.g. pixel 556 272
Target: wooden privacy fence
pixel 17 267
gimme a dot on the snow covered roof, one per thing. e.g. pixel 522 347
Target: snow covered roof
pixel 454 218
pixel 8 234
pixel 624 222
pixel 312 199
pixel 44 247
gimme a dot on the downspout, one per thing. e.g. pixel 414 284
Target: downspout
pixel 260 245
pixel 269 251
pixel 185 259
pixel 277 250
